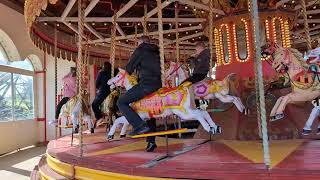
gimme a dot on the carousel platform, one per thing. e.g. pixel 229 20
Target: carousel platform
pixel 190 159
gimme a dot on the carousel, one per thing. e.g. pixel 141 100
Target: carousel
pixel 254 118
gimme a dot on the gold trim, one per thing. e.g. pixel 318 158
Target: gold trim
pixel 82 173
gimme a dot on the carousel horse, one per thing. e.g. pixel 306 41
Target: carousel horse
pixel 313 116
pixel 165 102
pixel 173 75
pixel 305 84
pixel 209 89
pixel 204 90
pixel 72 109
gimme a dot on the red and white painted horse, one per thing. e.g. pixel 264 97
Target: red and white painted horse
pixel 304 79
pixel 165 102
pixel 206 89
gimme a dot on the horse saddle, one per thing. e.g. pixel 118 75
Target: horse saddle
pixel 163 99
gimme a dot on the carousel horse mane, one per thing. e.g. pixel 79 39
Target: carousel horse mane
pixel 299 57
pixel 132 79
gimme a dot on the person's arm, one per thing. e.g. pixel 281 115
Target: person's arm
pixel 67 76
pixel 98 81
pixel 134 61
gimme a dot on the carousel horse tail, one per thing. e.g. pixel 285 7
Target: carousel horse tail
pixel 229 82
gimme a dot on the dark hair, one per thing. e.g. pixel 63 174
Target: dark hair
pixel 145 39
pixel 200 44
pixel 106 65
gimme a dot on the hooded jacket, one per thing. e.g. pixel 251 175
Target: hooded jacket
pixel 146 61
pixel 101 83
pixel 201 63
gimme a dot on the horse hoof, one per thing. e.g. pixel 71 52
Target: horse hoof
pixel 217 130
pixel 123 136
pixel 245 111
pixel 110 137
pixel 306 132
pixel 276 117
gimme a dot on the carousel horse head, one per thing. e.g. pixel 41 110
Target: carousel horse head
pixel 281 57
pixel 122 79
pixel 176 70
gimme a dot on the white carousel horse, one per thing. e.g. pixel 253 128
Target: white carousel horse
pixel 313 116
pixel 72 109
pixel 174 75
pixel 165 102
pixel 305 83
pixel 206 89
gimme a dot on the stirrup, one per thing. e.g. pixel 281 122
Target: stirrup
pixel 276 117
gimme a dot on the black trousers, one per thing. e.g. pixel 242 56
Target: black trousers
pixel 134 94
pixel 63 101
pixel 96 106
pixel 153 126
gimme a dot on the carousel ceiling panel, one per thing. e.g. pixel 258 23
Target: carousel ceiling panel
pixel 192 14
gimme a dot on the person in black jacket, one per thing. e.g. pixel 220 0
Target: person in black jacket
pixel 103 89
pixel 200 64
pixel 146 61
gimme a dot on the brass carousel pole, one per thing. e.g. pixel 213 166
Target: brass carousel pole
pixel 306 25
pixel 113 42
pixel 176 16
pixel 80 70
pixel 57 129
pixel 145 21
pixel 211 35
pixel 259 76
pixel 135 34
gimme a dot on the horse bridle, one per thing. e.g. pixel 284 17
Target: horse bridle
pixel 123 75
pixel 286 69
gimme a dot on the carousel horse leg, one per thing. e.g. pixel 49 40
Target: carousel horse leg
pixel 88 120
pixel 124 129
pixel 233 99
pixel 214 128
pixel 313 115
pixel 75 122
pixel 273 115
pixel 194 114
pixel 117 122
pixel 64 120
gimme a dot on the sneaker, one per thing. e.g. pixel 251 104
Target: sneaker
pixel 151 147
pixel 306 132
pixel 110 137
pixel 53 122
pixel 318 131
pixel 140 130
pixel 123 136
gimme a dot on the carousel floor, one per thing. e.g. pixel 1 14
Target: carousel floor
pixel 227 159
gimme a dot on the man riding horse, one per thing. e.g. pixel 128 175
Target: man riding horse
pixel 146 60
pixel 200 64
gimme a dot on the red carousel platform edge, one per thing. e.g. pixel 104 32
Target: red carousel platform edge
pixel 227 159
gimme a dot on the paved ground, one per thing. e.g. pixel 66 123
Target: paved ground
pixel 18 166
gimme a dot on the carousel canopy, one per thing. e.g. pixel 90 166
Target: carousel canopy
pixel 43 17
